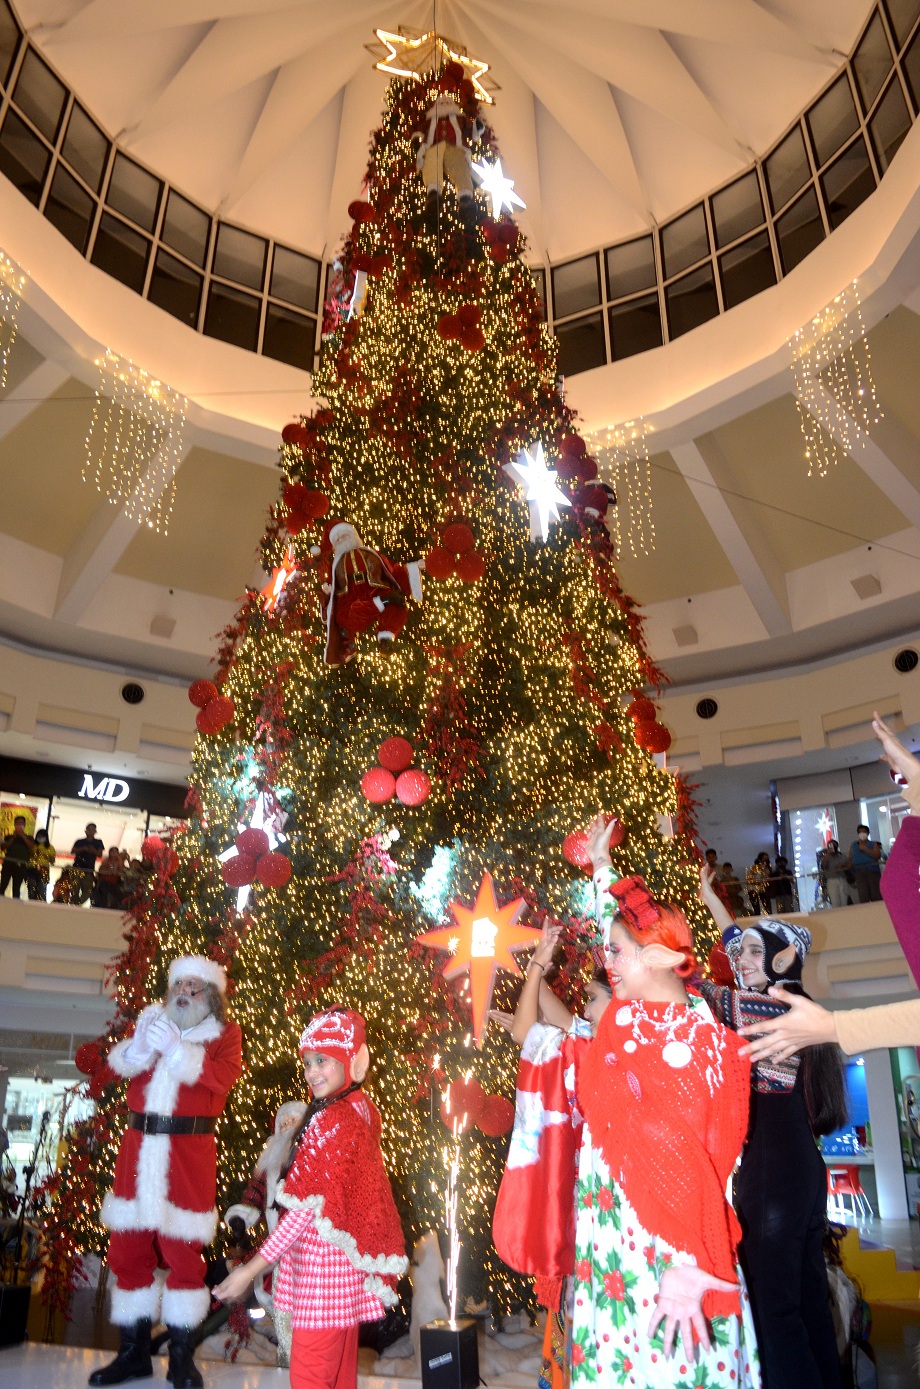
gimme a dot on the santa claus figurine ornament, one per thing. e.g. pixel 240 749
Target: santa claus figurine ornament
pixel 363 588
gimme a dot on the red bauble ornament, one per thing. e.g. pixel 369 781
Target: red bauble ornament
pixel 88 1058
pixel 379 264
pixel 215 714
pixel 152 846
pixel 292 494
pixel 499 252
pixel 618 833
pixel 448 327
pixel 507 233
pixel 378 785
pixel 238 871
pixel 573 445
pixel 413 786
pixel 296 435
pixel 252 842
pixel 395 754
pixel 463 1099
pixel 567 467
pixel 641 710
pixel 466 91
pixel 653 736
pixel 201 692
pixel 473 339
pixel 470 315
pixel 458 537
pixel 439 563
pixel 273 869
pixel 470 567
pixel 295 522
pixel 575 849
pixel 361 211
pixel 587 469
pixel 496 1116
pixel 314 505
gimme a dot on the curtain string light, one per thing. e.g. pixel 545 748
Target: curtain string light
pixel 623 449
pixel 135 441
pixel 12 284
pixel 832 382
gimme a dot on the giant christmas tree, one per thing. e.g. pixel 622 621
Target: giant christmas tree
pixel 390 776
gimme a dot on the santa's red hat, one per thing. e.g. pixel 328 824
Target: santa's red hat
pixel 339 1033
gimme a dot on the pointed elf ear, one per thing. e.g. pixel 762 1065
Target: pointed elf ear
pixel 657 956
pixel 783 960
pixel 360 1063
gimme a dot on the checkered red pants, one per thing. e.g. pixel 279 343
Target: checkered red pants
pixel 325 1359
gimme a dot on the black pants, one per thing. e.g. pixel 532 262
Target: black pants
pixel 13 871
pixel 868 884
pixel 782 1196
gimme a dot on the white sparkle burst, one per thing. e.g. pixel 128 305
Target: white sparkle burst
pixel 543 496
pixel 499 188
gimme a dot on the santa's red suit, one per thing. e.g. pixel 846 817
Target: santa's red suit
pixel 161 1208
pixel 362 587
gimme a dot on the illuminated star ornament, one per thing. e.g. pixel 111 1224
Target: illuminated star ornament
pixel 492 180
pixel 541 492
pixel 281 575
pixel 483 941
pixel 417 53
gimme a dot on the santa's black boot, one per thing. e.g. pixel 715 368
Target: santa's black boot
pixel 183 1372
pixel 432 211
pixel 133 1358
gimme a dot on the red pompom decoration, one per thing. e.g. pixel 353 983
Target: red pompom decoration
pixel 314 505
pixel 575 849
pixel 292 494
pixel 641 710
pixel 507 233
pixel 473 339
pixel 448 327
pixel 470 567
pixel 653 736
pixel 88 1058
pixel 587 469
pixel 458 537
pixel 379 265
pixel 253 842
pixel 295 522
pixel 467 91
pixel 172 861
pixel 152 846
pixel 378 785
pixel 452 75
pixel 496 1116
pixel 361 211
pixel 395 754
pixel 470 315
pixel 215 714
pixel 273 869
pixel 413 787
pixel 574 445
pixel 463 1099
pixel 439 563
pixel 201 692
pixel 593 499
pixel 499 252
pixel 567 467
pixel 238 871
pixel 296 435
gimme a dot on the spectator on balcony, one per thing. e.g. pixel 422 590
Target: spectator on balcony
pixel 865 860
pixel 758 885
pixel 109 889
pixel 782 887
pixel 42 857
pixel 833 865
pixel 83 876
pixel 17 850
pixel 734 893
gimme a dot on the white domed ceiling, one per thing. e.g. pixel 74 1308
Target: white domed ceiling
pixel 611 114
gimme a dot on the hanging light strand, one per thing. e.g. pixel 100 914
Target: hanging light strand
pixel 12 284
pixel 623 450
pixel 833 384
pixel 135 441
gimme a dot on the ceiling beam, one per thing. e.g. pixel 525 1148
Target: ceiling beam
pixel 31 392
pixel 889 456
pixel 94 554
pixel 708 474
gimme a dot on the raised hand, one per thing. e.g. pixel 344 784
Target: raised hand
pixel 680 1306
pixel 898 757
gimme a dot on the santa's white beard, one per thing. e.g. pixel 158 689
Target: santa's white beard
pixel 187 1012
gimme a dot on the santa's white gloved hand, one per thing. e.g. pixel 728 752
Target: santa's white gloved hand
pixel 164 1035
pixel 140 1050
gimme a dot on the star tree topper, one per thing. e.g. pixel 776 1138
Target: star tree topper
pixel 541 492
pixel 483 941
pixel 416 53
pixel 500 188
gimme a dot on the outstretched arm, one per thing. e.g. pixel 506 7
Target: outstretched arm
pixel 536 996
pixel 711 899
pixel 803 1023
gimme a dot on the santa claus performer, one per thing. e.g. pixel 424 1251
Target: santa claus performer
pixel 363 587
pixel 339 1245
pixel 181 1062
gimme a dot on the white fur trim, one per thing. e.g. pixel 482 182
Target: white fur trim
pixel 185 1306
pixel 197 967
pixel 248 1214
pixel 388 1296
pixel 341 1239
pixel 133 1304
pixel 142 1213
pixel 184 1063
pixel 413 569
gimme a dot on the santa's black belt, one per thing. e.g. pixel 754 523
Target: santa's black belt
pixel 172 1123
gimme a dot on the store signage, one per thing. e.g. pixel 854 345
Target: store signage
pixel 108 788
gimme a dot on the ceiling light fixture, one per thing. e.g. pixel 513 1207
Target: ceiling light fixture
pixel 832 382
pixel 135 441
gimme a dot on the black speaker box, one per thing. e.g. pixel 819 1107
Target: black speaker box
pixel 449 1353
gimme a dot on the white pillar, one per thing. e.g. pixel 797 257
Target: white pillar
pixel 886 1137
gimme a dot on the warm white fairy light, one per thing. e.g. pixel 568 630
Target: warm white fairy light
pixel 135 441
pixel 12 284
pixel 622 450
pixel 832 381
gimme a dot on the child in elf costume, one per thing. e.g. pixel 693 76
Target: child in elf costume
pixel 339 1245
